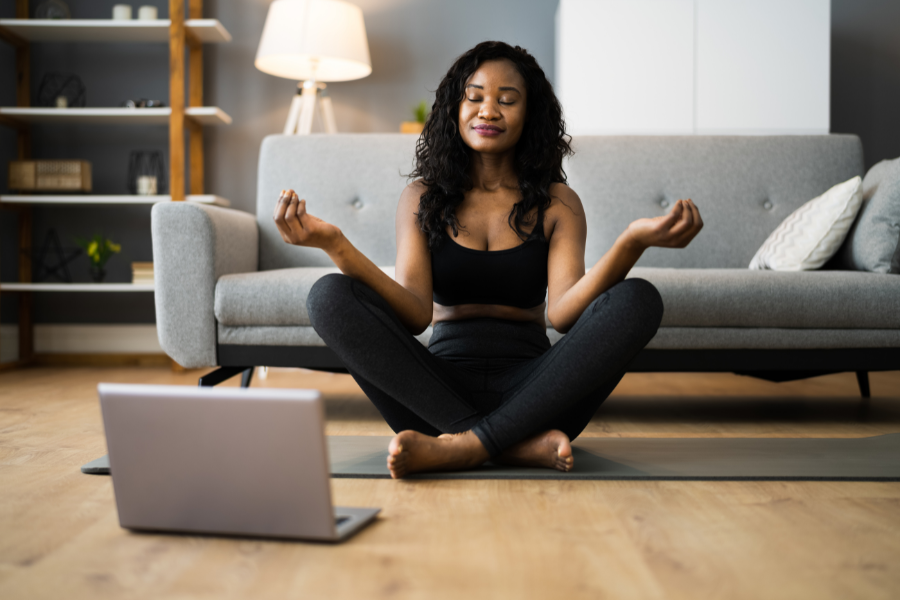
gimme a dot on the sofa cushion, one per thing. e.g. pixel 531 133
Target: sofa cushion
pixel 692 298
pixel 667 338
pixel 812 233
pixel 873 243
pixel 804 299
pixel 351 180
pixel 274 298
pixel 744 186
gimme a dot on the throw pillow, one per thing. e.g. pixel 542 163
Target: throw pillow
pixel 811 235
pixel 873 243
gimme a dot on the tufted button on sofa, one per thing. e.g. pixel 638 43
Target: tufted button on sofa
pixel 231 293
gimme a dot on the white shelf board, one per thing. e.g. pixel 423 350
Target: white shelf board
pixel 108 199
pixel 75 287
pixel 108 30
pixel 205 115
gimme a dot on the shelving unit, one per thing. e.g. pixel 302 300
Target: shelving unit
pixel 202 115
pixel 75 287
pixel 185 112
pixel 109 199
pixel 204 31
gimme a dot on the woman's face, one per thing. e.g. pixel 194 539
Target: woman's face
pixel 492 114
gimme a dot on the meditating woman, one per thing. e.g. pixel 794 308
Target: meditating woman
pixel 485 232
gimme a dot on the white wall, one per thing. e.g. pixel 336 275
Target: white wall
pixel 763 66
pixel 626 66
pixel 694 66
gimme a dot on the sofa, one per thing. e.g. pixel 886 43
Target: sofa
pixel 231 293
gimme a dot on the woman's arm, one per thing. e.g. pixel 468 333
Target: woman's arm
pixel 410 295
pixel 570 290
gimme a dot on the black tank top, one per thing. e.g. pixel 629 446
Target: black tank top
pixel 513 277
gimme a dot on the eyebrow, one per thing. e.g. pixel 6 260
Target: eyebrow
pixel 502 89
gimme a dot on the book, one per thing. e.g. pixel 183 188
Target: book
pixel 142 273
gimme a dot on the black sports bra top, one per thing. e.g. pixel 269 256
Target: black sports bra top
pixel 513 277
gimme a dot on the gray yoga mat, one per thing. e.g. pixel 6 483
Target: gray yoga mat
pixel 729 459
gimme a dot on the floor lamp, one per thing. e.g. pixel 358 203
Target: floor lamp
pixel 314 41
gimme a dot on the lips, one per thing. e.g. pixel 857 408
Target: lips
pixel 488 129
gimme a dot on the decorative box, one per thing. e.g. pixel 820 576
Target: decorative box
pixel 50 175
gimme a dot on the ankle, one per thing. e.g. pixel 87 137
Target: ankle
pixel 469 443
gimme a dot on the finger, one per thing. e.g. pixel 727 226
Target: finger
pixel 698 221
pixel 279 217
pixel 697 225
pixel 290 216
pixel 684 223
pixel 669 220
pixel 280 207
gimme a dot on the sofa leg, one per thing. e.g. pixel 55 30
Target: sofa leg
pixel 224 373
pixel 246 377
pixel 862 378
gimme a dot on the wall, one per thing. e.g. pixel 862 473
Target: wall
pixel 412 43
pixel 865 74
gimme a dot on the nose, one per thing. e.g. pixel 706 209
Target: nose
pixel 488 110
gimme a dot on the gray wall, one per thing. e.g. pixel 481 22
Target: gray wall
pixel 865 74
pixel 412 43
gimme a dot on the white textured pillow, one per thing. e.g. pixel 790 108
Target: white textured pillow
pixel 813 233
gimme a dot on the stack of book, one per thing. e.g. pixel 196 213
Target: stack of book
pixel 142 273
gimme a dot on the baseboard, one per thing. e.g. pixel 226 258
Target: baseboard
pixel 102 360
pixel 78 339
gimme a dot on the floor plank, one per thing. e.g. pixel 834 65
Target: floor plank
pixel 486 539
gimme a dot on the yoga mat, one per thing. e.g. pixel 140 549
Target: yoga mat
pixel 727 459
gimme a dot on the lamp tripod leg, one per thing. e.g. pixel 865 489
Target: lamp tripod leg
pixel 304 127
pixel 290 126
pixel 327 114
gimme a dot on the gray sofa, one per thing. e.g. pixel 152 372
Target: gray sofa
pixel 231 293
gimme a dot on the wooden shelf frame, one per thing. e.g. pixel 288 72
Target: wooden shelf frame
pixel 184 115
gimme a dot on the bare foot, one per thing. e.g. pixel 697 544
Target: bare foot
pixel 550 450
pixel 413 452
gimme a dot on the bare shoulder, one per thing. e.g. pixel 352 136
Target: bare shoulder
pixel 566 206
pixel 409 203
pixel 565 198
pixel 411 195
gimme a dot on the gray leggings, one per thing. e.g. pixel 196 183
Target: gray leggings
pixel 499 378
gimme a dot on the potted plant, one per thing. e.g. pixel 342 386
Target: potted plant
pixel 99 250
pixel 420 112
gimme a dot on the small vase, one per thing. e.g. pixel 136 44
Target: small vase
pixel 98 274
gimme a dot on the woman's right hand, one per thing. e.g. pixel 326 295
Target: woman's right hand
pixel 300 228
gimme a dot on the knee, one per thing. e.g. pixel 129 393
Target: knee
pixel 646 299
pixel 327 295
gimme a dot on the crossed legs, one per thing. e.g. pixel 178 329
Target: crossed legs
pixel 422 396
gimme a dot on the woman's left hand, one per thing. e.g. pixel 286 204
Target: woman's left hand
pixel 674 230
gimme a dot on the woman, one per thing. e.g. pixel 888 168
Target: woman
pixel 485 231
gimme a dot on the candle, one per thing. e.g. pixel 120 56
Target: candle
pixel 122 12
pixel 146 185
pixel 147 13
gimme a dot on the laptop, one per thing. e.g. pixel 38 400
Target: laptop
pixel 226 461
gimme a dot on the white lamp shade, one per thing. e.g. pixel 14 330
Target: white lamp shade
pixel 314 39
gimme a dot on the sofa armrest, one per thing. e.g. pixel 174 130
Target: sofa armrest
pixel 194 245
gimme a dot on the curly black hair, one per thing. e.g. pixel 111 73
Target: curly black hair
pixel 442 158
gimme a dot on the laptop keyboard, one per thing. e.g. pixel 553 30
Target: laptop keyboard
pixel 339 520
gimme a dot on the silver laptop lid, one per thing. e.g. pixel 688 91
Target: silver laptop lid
pixel 219 460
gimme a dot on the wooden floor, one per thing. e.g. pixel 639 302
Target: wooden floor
pixel 60 538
